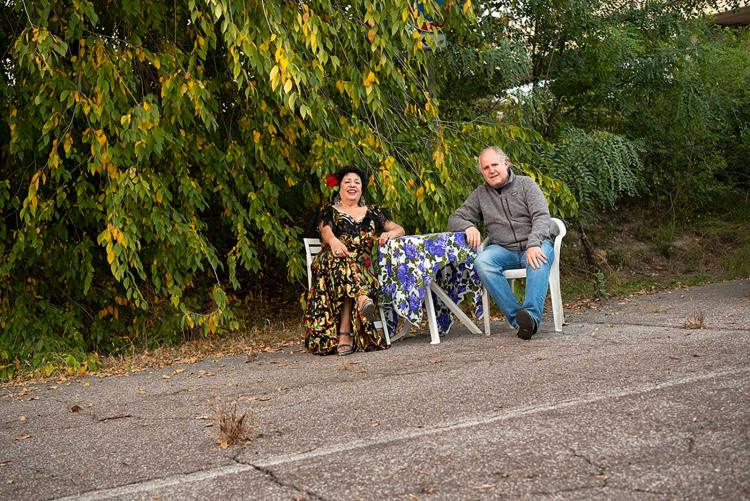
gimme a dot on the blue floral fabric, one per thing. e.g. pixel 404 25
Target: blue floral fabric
pixel 409 264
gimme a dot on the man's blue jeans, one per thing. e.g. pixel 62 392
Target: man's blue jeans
pixel 495 259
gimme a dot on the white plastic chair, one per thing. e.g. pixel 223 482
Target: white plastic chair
pixel 557 228
pixel 312 247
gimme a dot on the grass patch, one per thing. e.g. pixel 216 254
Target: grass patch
pixel 232 425
pixel 695 321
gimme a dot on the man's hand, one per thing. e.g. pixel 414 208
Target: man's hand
pixel 473 237
pixel 534 255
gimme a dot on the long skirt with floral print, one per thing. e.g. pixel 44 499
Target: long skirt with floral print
pixel 334 279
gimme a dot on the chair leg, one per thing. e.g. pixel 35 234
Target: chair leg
pixel 486 308
pixel 385 327
pixel 556 296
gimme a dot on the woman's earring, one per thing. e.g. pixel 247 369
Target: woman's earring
pixel 337 199
pixel 361 202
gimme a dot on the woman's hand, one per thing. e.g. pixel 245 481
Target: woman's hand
pixel 338 249
pixel 392 230
pixel 384 238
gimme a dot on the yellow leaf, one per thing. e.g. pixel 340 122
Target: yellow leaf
pixel 157 64
pixel 405 14
pixel 420 191
pixel 370 79
pixel 288 86
pixel 23 437
pixel 467 6
pixel 371 35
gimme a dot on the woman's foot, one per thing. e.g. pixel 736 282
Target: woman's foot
pixel 367 308
pixel 345 346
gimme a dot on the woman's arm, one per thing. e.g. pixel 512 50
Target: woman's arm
pixel 326 233
pixel 392 230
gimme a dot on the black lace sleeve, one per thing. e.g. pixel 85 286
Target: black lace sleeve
pixel 381 216
pixel 325 216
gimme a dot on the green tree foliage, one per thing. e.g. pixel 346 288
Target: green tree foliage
pixel 600 167
pixel 656 74
pixel 155 153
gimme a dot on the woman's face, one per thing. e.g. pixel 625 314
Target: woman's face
pixel 351 188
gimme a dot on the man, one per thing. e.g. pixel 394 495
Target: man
pixel 516 216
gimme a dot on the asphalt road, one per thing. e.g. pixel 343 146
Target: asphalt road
pixel 626 403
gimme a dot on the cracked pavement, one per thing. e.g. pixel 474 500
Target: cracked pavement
pixel 625 403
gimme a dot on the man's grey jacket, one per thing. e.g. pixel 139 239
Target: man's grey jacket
pixel 516 215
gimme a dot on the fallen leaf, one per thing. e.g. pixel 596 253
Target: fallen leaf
pixel 178 371
pixel 209 425
pixel 86 384
pixel 165 376
pixel 23 437
pixel 355 362
pixel 22 419
pixel 695 418
pixel 361 371
pixel 602 477
pixel 485 487
pixel 75 408
pixel 141 392
pixel 435 361
pixel 610 325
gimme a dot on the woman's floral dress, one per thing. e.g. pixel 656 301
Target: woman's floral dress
pixel 336 278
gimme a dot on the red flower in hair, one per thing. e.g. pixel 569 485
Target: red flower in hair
pixel 332 181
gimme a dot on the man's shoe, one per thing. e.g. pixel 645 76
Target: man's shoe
pixel 526 324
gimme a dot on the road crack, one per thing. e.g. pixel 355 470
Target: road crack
pixel 276 480
pixel 601 470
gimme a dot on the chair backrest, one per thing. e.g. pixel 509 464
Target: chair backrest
pixel 312 247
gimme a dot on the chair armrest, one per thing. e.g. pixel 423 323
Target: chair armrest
pixel 557 226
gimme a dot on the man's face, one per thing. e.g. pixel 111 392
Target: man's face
pixel 494 168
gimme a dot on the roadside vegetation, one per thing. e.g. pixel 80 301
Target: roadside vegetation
pixel 158 164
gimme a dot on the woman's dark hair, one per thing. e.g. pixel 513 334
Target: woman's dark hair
pixel 348 170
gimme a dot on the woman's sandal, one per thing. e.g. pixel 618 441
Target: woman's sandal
pixel 349 348
pixel 368 309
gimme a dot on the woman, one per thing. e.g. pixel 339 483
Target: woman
pixel 340 307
